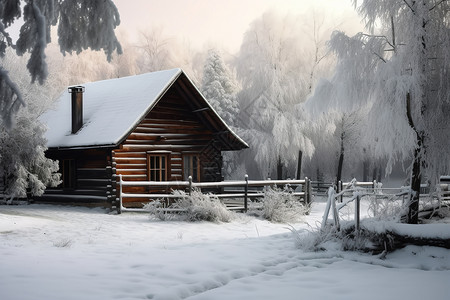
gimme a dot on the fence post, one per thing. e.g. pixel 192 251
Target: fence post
pixel 335 214
pixel 357 213
pixel 119 208
pixel 307 190
pixel 246 194
pixel 114 195
pixel 190 185
pixel 109 197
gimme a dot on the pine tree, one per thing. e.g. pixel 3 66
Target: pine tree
pixel 219 88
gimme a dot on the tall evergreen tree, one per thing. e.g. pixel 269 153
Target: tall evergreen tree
pixel 219 87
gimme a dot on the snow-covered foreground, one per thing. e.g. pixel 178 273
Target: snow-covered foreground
pixel 52 252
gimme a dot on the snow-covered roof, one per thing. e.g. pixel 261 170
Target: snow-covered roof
pixel 111 109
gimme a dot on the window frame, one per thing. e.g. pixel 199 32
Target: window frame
pixel 191 169
pixel 161 166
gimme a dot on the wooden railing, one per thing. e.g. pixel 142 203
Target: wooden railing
pixel 241 190
pixel 357 190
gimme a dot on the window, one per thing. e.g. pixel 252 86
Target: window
pixel 191 167
pixel 68 176
pixel 157 167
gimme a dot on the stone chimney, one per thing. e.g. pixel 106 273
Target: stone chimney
pixel 77 107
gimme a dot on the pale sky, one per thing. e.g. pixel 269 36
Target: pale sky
pixel 222 22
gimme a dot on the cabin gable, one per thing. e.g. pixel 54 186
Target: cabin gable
pixel 171 143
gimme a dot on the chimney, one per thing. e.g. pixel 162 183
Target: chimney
pixel 77 107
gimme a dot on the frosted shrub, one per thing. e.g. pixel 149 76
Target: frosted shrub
pixel 279 206
pixel 202 207
pixel 157 209
pixel 330 239
pixel 194 207
pixel 387 209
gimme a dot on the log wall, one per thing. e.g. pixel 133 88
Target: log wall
pixel 90 178
pixel 171 129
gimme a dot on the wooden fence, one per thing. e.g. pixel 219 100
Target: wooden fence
pixel 356 190
pixel 239 191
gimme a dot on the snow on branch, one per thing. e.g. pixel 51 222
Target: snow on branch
pixel 89 24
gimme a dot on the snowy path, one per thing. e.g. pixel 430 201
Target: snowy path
pixel 49 252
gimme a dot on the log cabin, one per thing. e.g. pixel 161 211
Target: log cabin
pixel 150 127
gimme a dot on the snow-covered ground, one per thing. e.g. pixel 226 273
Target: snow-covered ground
pixel 52 252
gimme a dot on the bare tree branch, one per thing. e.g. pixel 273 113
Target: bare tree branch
pixel 409 5
pixel 439 3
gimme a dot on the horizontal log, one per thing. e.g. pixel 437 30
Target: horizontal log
pixel 92 173
pixel 120 154
pixel 178 130
pixel 132 172
pixel 131 161
pixel 133 177
pixel 165 121
pixel 131 166
pixel 137 136
pixel 180 122
pixel 161 147
pixel 134 189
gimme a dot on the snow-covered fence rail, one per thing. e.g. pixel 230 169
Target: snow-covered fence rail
pixel 228 190
pixel 343 186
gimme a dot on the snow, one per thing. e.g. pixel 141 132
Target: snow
pixel 56 252
pixel 110 109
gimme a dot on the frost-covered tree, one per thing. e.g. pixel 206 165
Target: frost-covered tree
pixel 219 87
pixel 402 70
pixel 322 163
pixel 159 51
pixel 82 24
pixel 347 134
pixel 23 165
pixel 269 66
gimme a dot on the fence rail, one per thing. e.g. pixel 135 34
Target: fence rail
pixel 235 193
pixel 358 190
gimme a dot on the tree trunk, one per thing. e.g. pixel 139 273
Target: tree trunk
pixel 341 161
pixel 365 167
pixel 299 164
pixel 279 169
pixel 380 170
pixel 413 209
pixel 413 205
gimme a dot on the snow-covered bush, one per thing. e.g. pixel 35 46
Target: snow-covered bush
pixel 329 239
pixel 158 209
pixel 279 205
pixel 194 207
pixel 387 208
pixel 23 164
